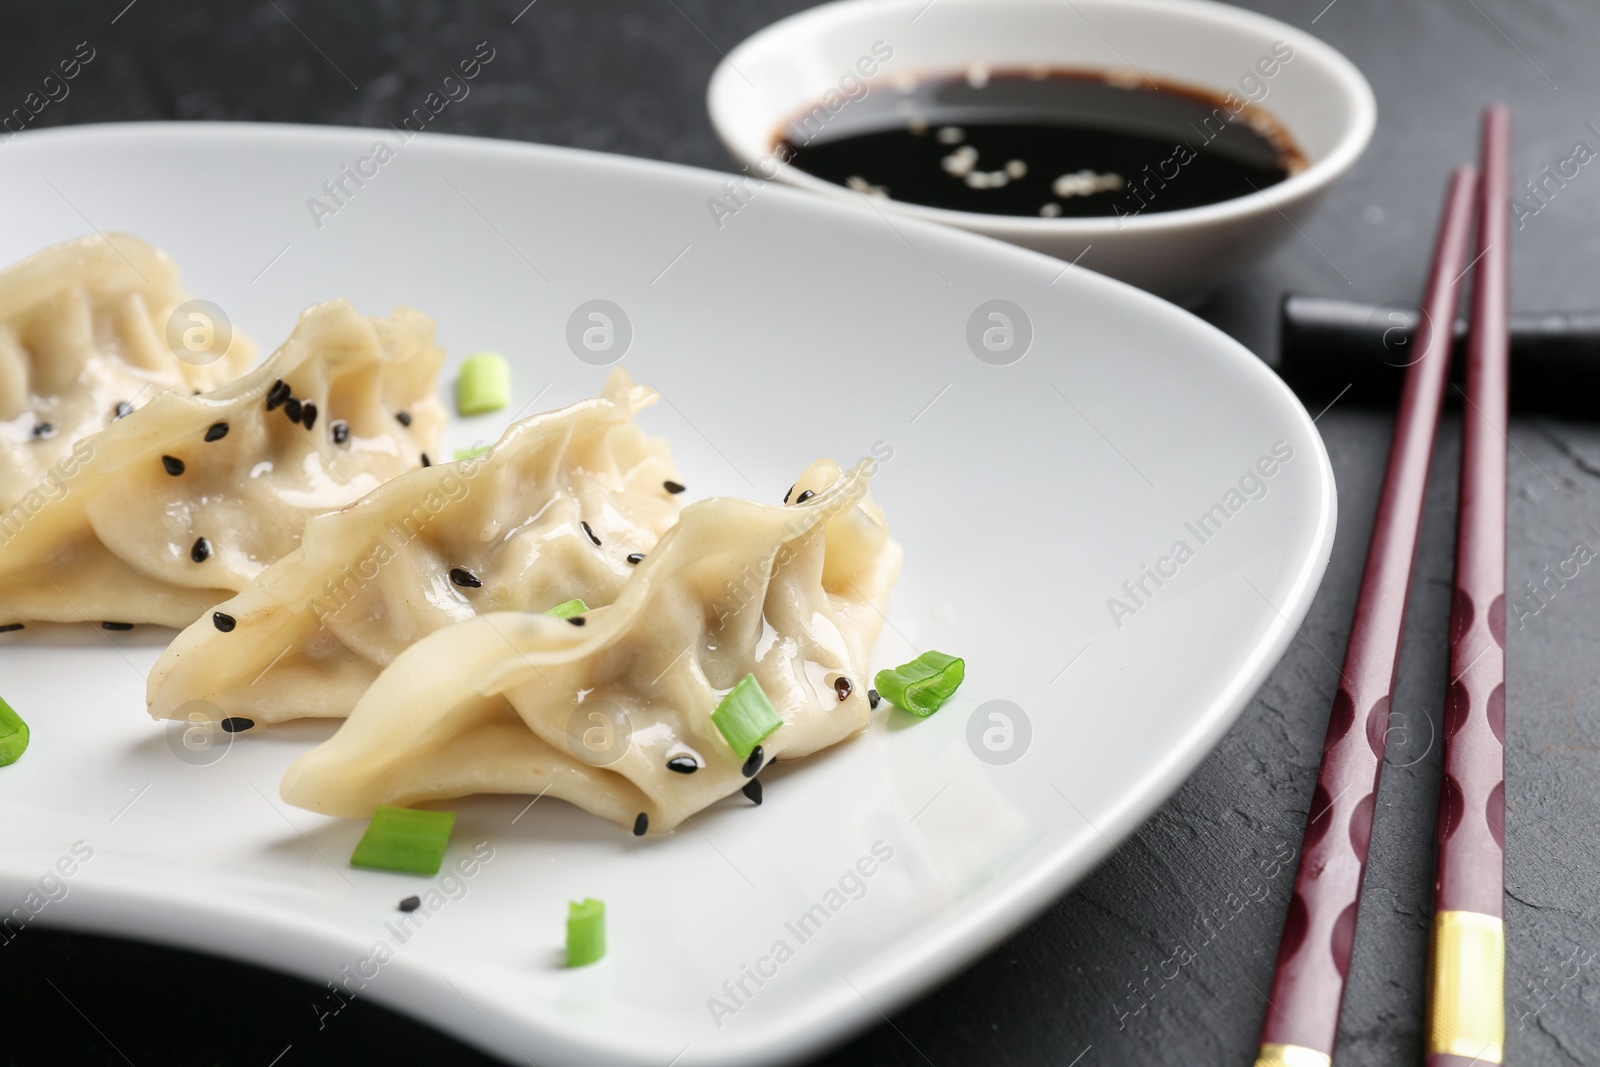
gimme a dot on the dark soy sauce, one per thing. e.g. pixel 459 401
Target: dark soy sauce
pixel 1052 143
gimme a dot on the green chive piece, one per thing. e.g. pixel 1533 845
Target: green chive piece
pixel 586 932
pixel 409 840
pixel 484 384
pixel 13 735
pixel 568 610
pixel 745 716
pixel 470 453
pixel 922 685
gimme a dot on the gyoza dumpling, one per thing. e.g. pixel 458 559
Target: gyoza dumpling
pixel 179 505
pixel 615 715
pixel 561 508
pixel 83 336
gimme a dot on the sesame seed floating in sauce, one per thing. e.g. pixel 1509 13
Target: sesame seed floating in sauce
pixel 635 558
pixel 410 904
pixel 340 430
pixel 589 531
pixel 223 621
pixel 752 790
pixel 217 432
pixel 683 764
pixel 201 550
pixel 308 414
pixel 117 626
pixel 872 698
pixel 11 627
pixel 641 824
pixel 237 724
pixel 464 577
pixel 173 464
pixel 753 763
pixel 842 687
pixel 673 487
pixel 403 418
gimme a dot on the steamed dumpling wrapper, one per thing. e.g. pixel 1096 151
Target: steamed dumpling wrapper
pixel 522 521
pixel 514 702
pixel 180 504
pixel 83 334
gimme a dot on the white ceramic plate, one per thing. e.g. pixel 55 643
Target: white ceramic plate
pixel 1024 494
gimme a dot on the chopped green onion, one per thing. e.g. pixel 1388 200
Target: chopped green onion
pixel 922 685
pixel 484 384
pixel 13 735
pixel 586 932
pixel 404 839
pixel 568 610
pixel 745 716
pixel 471 453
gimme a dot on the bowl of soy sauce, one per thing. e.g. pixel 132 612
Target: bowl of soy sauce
pixel 1167 144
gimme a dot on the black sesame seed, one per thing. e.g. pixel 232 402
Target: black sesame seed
pixel 341 431
pixel 44 429
pixel 410 904
pixel 10 626
pixel 116 626
pixel 465 578
pixel 589 531
pixel 279 393
pixel 237 724
pixel 635 558
pixel 872 698
pixel 426 462
pixel 403 418
pixel 291 408
pixel 672 487
pixel 753 763
pixel 752 790
pixel 803 497
pixel 682 764
pixel 842 687
pixel 641 824
pixel 173 464
pixel 223 621
pixel 789 494
pixel 201 550
pixel 577 620
pixel 218 431
pixel 123 410
pixel 308 414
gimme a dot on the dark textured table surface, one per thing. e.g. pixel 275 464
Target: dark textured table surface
pixel 1083 980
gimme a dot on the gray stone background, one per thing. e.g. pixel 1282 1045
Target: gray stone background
pixel 629 77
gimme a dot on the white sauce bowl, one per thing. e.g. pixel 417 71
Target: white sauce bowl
pixel 1317 95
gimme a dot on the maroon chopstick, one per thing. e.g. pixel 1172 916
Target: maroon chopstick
pixel 1314 953
pixel 1466 1010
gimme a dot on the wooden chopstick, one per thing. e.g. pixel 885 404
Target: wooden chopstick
pixel 1314 953
pixel 1466 1011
